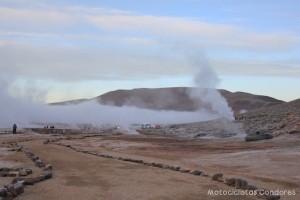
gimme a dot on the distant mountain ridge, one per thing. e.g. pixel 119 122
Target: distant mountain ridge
pixel 177 99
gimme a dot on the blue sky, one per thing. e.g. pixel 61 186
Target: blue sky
pixel 60 50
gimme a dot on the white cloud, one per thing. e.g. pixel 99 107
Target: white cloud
pixel 18 16
pixel 95 43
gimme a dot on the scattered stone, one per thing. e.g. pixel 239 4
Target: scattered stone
pixel 35 158
pixel 3 174
pixel 28 171
pixel 175 168
pixel 4 169
pixel 273 197
pixel 47 174
pixel 196 172
pixel 185 170
pixel 9 187
pixel 39 163
pixel 23 172
pixel 230 181
pixel 9 196
pixel 244 184
pixel 217 177
pixel 238 183
pixel 30 181
pixel 46 142
pixel 251 187
pixel 19 188
pixel 12 174
pixel 3 192
pixel 166 166
pixel 48 167
pixel 153 164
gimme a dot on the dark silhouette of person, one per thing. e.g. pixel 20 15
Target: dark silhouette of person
pixel 14 129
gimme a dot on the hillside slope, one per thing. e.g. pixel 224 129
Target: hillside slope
pixel 275 120
pixel 178 99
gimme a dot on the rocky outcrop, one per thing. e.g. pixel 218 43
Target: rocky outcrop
pixel 275 121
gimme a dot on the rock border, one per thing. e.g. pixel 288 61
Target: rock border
pixel 238 183
pixel 16 187
pixel 242 184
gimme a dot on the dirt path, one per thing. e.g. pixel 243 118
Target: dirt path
pixel 79 176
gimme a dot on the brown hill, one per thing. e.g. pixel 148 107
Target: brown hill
pixel 177 99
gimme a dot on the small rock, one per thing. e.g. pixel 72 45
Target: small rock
pixel 238 183
pixel 15 180
pixel 47 175
pixel 175 168
pixel 3 174
pixel 22 172
pixel 35 158
pixel 46 142
pixel 230 181
pixel 9 187
pixel 48 167
pixel 19 188
pixel 185 170
pixel 166 167
pixel 3 192
pixel 153 164
pixel 196 172
pixel 12 174
pixel 244 184
pixel 251 187
pixel 29 181
pixel 217 176
pixel 40 178
pixel 28 171
pixel 39 163
pixel 9 196
pixel 273 197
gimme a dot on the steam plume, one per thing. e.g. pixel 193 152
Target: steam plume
pixel 206 94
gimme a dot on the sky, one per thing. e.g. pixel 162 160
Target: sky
pixel 56 50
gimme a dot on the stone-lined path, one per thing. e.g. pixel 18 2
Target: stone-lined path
pixel 84 176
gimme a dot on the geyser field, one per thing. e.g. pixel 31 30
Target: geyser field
pixel 107 164
pixel 134 149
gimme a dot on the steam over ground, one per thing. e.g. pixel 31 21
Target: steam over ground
pixel 26 112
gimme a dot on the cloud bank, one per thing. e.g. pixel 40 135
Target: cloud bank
pixel 66 42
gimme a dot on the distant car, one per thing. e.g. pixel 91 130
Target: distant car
pixel 146 126
pixel 157 126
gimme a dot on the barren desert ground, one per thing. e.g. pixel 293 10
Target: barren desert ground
pixel 128 166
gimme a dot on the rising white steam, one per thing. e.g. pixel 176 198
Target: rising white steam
pixel 24 112
pixel 206 95
pixel 28 113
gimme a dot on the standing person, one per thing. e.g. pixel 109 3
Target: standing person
pixel 14 129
